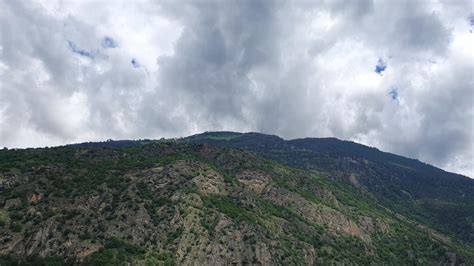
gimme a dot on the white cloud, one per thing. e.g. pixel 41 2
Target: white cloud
pixel 290 68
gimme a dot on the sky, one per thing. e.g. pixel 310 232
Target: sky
pixel 396 75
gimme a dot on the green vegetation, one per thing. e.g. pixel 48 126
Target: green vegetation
pixel 154 257
pixel 143 204
pixel 32 260
pixel 421 192
pixel 231 207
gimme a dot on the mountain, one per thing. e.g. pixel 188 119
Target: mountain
pixel 424 193
pixel 219 198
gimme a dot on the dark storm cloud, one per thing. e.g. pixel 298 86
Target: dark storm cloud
pixel 291 68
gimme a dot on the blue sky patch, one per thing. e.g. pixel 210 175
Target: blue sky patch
pixel 135 63
pixel 380 67
pixel 108 42
pixel 393 94
pixel 80 51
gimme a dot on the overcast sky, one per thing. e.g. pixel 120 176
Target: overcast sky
pixel 397 75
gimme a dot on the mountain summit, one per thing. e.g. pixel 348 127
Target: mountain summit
pixel 230 198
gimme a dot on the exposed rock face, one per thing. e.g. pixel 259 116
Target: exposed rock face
pixel 12 203
pixel 35 198
pixel 8 181
pixel 354 180
pixel 372 225
pixel 210 182
pixel 316 213
pixel 254 180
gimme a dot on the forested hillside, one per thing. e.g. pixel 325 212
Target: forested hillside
pixel 169 202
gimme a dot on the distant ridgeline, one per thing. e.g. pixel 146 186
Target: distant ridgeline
pixel 113 144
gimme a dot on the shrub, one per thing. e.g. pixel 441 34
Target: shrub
pixel 16 227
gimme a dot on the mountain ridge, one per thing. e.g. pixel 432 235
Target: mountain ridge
pixel 229 198
pixel 325 139
pixel 126 143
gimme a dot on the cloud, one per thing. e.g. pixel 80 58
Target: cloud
pixel 92 70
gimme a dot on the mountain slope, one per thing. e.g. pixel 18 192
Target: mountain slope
pixel 168 203
pixel 443 200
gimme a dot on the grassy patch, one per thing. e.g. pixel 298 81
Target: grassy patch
pixel 231 207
